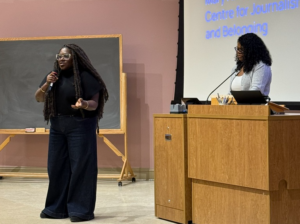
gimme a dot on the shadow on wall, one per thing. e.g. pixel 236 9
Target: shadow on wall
pixel 137 115
pixel 137 125
pixel 144 98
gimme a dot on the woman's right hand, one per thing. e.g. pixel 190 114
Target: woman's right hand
pixel 52 78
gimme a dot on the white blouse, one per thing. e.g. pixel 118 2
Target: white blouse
pixel 236 84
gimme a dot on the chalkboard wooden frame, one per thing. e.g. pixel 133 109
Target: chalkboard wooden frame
pixel 121 105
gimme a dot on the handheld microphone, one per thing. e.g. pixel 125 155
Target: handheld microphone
pixel 51 84
pixel 221 84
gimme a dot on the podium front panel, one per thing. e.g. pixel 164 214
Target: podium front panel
pixel 229 151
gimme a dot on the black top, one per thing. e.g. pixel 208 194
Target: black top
pixel 65 92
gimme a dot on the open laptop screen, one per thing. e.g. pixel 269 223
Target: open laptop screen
pixel 249 97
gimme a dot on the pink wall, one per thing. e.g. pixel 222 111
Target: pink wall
pixel 149 29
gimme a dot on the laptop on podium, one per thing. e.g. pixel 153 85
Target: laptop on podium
pixel 249 97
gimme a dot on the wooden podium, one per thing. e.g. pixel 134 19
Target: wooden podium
pixel 244 164
pixel 173 189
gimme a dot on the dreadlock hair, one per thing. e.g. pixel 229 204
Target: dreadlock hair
pixel 81 62
pixel 254 51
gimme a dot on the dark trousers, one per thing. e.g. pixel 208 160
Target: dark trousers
pixel 72 167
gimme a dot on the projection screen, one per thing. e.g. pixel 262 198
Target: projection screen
pixel 211 30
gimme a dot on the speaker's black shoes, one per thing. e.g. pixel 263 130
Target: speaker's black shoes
pixel 77 219
pixel 45 216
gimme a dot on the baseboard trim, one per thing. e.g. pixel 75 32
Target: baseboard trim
pixel 141 173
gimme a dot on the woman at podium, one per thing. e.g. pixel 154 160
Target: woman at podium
pixel 253 65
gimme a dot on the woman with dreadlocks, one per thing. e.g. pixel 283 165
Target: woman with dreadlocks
pixel 253 62
pixel 74 106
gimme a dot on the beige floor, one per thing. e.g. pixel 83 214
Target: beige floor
pixel 22 199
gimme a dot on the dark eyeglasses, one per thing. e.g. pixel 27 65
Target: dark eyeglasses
pixel 63 56
pixel 241 51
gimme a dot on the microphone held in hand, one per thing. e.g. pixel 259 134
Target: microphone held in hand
pixel 51 84
pixel 236 70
